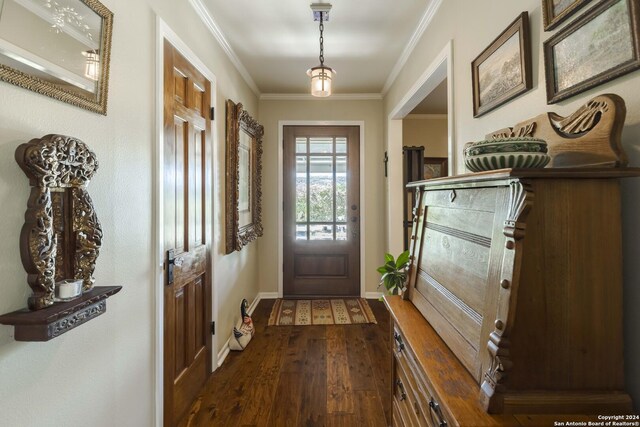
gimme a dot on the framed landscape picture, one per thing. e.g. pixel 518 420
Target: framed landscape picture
pixel 554 12
pixel 503 70
pixel 599 46
pixel 435 167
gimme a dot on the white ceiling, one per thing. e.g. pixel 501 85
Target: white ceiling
pixel 277 41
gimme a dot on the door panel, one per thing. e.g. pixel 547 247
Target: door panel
pixel 321 211
pixel 187 194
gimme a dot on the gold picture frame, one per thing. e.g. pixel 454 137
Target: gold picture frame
pixel 61 51
pixel 243 217
pixel 555 12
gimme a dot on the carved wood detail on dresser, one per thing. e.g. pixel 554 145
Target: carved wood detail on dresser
pixel 514 301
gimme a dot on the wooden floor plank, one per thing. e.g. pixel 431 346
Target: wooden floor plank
pixel 339 389
pixel 288 375
pixel 362 377
pixel 313 408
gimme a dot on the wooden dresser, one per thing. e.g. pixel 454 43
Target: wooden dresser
pixel 513 310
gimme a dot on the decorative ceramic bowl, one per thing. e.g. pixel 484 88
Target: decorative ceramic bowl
pixel 506 153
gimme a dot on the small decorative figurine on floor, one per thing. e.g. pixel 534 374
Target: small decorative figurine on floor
pixel 242 334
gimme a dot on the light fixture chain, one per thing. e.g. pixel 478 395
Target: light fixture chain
pixel 321 40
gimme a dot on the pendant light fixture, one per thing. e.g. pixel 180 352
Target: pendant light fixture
pixel 321 76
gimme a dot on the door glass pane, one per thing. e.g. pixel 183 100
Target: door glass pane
pixel 321 232
pixel 301 231
pixel 341 145
pixel 341 188
pixel 301 145
pixel 301 188
pixel 321 145
pixel 321 189
pixel 341 232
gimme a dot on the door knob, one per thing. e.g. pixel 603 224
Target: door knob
pixel 354 207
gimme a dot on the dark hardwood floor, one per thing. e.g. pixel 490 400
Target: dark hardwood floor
pixel 302 376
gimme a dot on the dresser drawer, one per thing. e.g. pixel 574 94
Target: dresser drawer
pixel 404 398
pixel 419 396
pixel 480 199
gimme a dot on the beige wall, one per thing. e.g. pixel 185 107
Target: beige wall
pixel 428 132
pixel 473 26
pixel 372 200
pixel 102 373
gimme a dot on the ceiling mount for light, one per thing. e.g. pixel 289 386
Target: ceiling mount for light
pixel 321 76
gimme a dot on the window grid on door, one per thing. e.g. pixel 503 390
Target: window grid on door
pixel 321 188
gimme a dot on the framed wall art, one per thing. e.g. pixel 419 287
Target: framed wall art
pixel 503 70
pixel 555 12
pixel 58 48
pixel 435 167
pixel 243 218
pixel 597 47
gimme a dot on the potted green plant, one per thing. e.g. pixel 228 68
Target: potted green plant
pixel 394 272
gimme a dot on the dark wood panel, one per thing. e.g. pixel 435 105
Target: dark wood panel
pixel 180 329
pixel 320 265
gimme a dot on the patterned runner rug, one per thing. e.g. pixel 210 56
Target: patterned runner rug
pixel 345 311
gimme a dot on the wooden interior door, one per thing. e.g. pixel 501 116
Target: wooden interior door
pixel 321 211
pixel 187 219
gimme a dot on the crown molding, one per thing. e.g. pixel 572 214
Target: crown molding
pixel 210 23
pixel 426 116
pixel 417 35
pixel 309 97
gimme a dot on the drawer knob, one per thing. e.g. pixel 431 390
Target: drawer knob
pixel 499 324
pixel 452 195
pixel 438 411
pixel 398 338
pixel 403 394
pixel 505 284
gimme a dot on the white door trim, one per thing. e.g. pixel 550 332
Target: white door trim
pixel 439 69
pixel 164 32
pixel 281 125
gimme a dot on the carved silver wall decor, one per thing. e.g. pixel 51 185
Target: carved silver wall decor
pixel 61 236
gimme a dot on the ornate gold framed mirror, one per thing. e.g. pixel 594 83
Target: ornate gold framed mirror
pixel 58 48
pixel 243 218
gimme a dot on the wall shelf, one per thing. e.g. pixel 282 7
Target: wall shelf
pixel 61 317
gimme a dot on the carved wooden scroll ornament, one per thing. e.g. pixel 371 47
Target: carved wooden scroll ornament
pixel 588 137
pixel 61 236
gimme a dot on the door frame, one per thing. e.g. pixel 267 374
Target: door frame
pixel 440 68
pixel 281 125
pixel 163 31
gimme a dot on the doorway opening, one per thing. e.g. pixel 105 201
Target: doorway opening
pixel 321 218
pixel 423 121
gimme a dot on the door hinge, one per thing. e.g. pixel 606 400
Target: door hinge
pixel 213 328
pixel 213 113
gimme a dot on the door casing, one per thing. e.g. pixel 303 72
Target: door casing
pixel 363 214
pixel 163 31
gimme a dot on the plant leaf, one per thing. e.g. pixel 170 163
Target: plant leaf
pixel 388 258
pixel 403 259
pixel 382 269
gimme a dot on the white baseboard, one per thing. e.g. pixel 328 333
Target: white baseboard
pixel 224 352
pixel 268 295
pixel 373 295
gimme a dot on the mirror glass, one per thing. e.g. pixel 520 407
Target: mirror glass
pixel 59 48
